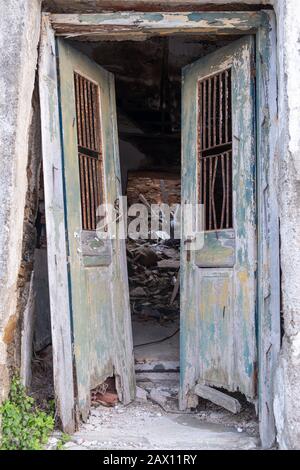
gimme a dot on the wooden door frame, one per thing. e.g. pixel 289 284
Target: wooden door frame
pixel 126 25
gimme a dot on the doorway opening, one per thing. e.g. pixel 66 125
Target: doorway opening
pixel 148 80
pixel 241 56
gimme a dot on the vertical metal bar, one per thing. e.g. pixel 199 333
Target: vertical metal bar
pixel 87 194
pixel 210 194
pixel 91 121
pixel 82 113
pixel 199 141
pixel 226 106
pixel 200 123
pixel 200 184
pixel 215 161
pixel 223 193
pixel 82 191
pixel 95 172
pixel 100 181
pixel 96 117
pixel 85 98
pixel 227 189
pixel 221 108
pixel 204 116
pixel 98 187
pixel 209 114
pixel 205 190
pixel 91 192
pixel 230 106
pixel 215 112
pixel 94 105
pixel 78 116
pixel 96 184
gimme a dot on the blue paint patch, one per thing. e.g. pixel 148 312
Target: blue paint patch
pixel 249 369
pixel 195 16
pixel 153 17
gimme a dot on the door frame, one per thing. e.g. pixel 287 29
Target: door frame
pixel 129 24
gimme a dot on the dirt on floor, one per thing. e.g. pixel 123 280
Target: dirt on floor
pixel 153 422
pixel 147 426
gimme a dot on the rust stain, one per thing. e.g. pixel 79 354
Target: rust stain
pixel 10 329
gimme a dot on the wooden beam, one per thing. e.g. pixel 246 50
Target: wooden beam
pixel 86 6
pixel 268 227
pixel 134 23
pixel 56 231
pixel 218 398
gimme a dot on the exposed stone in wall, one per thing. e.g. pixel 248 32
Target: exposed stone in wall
pixel 29 229
pixel 19 35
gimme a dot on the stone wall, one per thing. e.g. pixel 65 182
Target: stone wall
pixel 19 36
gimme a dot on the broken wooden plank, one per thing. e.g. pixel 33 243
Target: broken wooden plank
pixel 218 398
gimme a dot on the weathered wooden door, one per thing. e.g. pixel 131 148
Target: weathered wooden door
pixel 102 337
pixel 218 334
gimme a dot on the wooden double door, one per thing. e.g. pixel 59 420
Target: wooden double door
pixel 218 281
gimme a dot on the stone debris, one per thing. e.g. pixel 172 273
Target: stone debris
pixel 153 262
pixel 141 394
pixel 153 271
pixel 158 397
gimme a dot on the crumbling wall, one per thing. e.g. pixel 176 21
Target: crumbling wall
pixel 26 288
pixel 286 403
pixel 19 36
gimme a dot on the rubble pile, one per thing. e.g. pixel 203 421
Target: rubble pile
pixel 153 271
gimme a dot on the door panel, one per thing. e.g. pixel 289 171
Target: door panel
pixel 218 282
pixel 97 268
pixel 218 250
pixel 216 319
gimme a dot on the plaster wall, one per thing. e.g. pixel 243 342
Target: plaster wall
pixel 19 36
pixel 287 384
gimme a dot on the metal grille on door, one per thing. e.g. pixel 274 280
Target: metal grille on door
pixel 87 97
pixel 215 150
